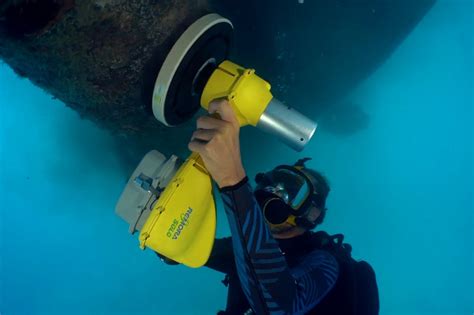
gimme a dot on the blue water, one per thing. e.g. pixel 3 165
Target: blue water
pixel 401 192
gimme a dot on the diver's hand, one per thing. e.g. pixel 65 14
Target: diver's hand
pixel 217 141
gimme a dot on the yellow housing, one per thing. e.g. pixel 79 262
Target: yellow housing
pixel 246 92
pixel 182 224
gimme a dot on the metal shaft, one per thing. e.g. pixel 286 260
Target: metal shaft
pixel 289 125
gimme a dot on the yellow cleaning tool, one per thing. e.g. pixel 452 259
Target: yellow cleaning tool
pixel 176 213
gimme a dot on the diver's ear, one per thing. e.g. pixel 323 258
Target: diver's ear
pixel 314 214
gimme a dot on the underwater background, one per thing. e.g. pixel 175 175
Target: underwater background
pixel 402 192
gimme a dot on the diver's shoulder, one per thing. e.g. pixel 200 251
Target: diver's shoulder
pixel 320 257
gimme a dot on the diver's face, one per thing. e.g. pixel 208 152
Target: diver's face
pixel 281 228
pixel 285 230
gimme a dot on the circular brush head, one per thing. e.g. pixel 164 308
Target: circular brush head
pixel 188 66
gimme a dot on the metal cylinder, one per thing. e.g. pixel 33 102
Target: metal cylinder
pixel 289 125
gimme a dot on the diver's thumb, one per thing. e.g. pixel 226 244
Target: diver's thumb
pixel 224 110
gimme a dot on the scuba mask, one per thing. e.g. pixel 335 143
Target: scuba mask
pixel 287 194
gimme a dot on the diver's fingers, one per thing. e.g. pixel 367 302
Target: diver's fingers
pixel 207 122
pixel 204 134
pixel 225 110
pixel 197 145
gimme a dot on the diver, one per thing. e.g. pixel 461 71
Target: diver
pixel 274 263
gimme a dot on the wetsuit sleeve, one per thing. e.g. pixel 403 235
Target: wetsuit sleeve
pixel 267 281
pixel 222 256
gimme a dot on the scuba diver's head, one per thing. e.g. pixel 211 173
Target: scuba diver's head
pixel 292 198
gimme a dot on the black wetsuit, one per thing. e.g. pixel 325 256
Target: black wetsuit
pixel 261 275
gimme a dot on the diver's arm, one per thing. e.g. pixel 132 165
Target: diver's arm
pixel 267 281
pixel 221 258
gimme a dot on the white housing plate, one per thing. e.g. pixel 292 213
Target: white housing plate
pixel 174 58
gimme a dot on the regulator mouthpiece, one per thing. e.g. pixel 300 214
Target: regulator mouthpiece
pixel 289 125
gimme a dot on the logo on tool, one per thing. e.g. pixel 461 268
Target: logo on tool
pixel 178 225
